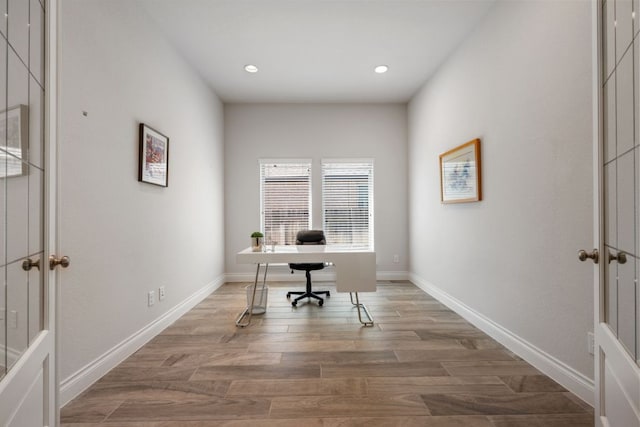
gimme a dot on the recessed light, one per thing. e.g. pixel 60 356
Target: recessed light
pixel 380 69
pixel 250 68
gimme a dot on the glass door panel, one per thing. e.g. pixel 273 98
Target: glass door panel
pixel 17 312
pixel 621 166
pixel 3 193
pixel 22 293
pixel 35 276
pixel 3 323
pixel 17 204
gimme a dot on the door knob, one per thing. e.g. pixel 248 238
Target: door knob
pixel 583 255
pixel 28 264
pixel 621 257
pixel 62 261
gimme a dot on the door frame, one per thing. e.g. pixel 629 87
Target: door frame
pixel 52 11
pixel 598 223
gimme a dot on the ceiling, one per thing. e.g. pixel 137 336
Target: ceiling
pixel 316 50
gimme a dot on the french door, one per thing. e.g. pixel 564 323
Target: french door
pixel 617 176
pixel 28 383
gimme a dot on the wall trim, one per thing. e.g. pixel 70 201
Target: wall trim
pixel 82 379
pixel 279 275
pixel 392 275
pixel 565 375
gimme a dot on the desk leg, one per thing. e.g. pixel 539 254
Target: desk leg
pixel 248 311
pixel 364 307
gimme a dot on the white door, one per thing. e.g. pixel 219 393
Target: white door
pixel 617 229
pixel 28 382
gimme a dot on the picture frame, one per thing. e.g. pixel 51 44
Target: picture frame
pixel 14 142
pixel 154 157
pixel 461 174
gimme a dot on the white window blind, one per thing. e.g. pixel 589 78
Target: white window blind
pixel 285 199
pixel 347 199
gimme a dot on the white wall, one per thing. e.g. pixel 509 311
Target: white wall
pixel 522 83
pixel 124 237
pixel 316 131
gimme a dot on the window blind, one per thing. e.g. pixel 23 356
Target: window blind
pixel 347 199
pixel 285 198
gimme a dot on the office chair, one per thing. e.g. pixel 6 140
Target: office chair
pixel 308 237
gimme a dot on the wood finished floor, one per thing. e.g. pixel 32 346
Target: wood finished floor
pixel 419 365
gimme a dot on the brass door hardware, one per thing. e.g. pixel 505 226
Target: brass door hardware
pixel 583 255
pixel 63 261
pixel 621 257
pixel 28 264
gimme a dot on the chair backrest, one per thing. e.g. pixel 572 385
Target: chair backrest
pixel 310 237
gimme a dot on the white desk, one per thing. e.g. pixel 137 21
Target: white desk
pixel 355 269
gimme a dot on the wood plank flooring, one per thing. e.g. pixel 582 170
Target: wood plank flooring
pixel 419 365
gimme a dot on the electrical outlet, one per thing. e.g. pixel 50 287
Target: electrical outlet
pixel 396 259
pixel 151 298
pixel 591 344
pixel 160 293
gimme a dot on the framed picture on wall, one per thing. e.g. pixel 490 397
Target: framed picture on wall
pixel 154 157
pixel 460 174
pixel 14 142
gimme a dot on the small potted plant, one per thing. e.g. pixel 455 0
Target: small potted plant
pixel 257 239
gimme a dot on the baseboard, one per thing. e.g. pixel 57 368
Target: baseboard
pixel 565 375
pixel 392 275
pixel 282 275
pixel 79 381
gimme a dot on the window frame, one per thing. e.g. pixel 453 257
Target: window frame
pixel 370 163
pixel 302 162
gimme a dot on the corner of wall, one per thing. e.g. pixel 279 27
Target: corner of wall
pixel 565 375
pixel 82 379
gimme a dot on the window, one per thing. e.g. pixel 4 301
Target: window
pixel 347 200
pixel 285 199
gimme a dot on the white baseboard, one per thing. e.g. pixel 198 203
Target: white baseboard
pixel 392 275
pixel 280 275
pixel 565 375
pixel 79 381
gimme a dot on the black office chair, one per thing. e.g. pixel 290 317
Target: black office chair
pixel 308 237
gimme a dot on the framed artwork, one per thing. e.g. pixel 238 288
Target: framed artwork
pixel 460 174
pixel 154 157
pixel 14 136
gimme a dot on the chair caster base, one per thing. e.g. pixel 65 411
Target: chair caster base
pixel 307 294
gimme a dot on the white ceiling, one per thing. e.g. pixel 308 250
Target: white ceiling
pixel 316 50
